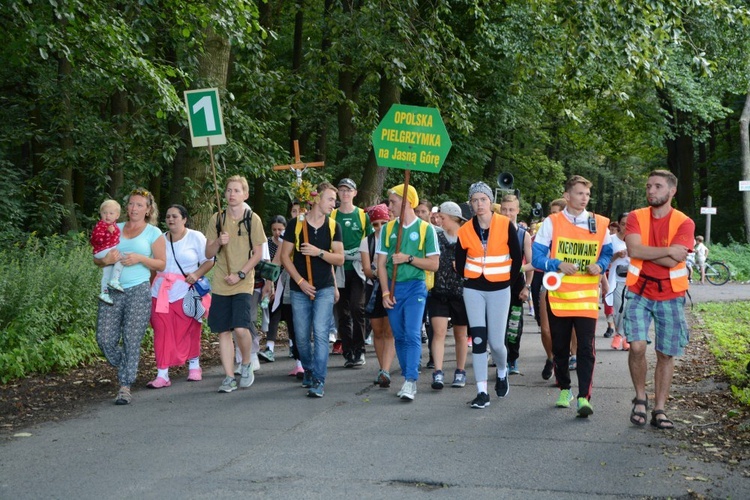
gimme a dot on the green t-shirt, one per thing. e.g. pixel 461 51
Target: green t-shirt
pixel 410 246
pixel 352 232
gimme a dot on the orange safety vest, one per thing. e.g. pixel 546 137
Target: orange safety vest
pixel 495 262
pixel 678 275
pixel 578 294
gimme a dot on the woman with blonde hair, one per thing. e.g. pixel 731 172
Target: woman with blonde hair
pixel 121 326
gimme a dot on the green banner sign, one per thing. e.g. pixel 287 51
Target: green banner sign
pixel 204 117
pixel 411 137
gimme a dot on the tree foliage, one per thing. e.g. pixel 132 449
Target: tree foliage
pixel 92 106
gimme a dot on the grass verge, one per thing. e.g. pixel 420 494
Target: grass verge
pixel 729 341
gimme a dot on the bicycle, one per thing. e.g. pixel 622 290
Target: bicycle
pixel 717 273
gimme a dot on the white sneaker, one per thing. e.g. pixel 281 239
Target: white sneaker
pixel 401 391
pixel 368 340
pixel 408 391
pixel 332 337
pixel 255 361
pixel 247 377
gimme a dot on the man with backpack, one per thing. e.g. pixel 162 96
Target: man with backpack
pixel 355 226
pixel 311 247
pixel 232 281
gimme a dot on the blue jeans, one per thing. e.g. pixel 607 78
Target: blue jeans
pixel 406 323
pixel 313 315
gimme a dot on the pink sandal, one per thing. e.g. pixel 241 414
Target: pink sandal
pixel 195 375
pixel 158 383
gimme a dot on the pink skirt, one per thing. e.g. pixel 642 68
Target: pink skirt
pixel 177 338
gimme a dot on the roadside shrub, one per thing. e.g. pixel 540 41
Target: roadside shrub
pixel 48 303
pixel 735 256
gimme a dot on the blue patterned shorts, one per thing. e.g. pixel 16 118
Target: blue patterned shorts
pixel 672 333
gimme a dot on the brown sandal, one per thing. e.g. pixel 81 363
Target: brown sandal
pixel 639 417
pixel 662 424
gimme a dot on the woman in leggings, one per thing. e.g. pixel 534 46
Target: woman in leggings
pixel 489 257
pixel 120 327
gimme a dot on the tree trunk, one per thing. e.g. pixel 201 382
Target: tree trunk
pixel 680 154
pixel 373 179
pixel 69 221
pixel 213 70
pixel 745 144
pixel 294 132
pixel 703 171
pixel 119 108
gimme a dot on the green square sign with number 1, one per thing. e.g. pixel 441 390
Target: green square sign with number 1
pixel 204 117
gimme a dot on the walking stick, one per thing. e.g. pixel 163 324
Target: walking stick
pixel 404 201
pixel 218 201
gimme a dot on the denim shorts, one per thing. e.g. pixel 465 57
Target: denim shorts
pixel 671 329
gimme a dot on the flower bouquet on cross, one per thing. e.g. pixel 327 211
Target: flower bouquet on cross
pixel 303 191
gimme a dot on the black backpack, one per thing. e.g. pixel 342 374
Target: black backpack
pixel 247 218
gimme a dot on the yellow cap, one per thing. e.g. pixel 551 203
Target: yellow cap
pixel 412 195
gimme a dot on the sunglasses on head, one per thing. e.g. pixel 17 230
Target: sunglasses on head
pixel 140 192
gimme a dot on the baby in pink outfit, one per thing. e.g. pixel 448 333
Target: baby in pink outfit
pixel 105 237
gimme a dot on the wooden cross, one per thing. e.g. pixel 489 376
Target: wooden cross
pixel 299 167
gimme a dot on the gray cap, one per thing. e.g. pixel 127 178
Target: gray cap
pixel 348 183
pixel 450 208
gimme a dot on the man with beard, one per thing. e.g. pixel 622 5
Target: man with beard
pixel 658 238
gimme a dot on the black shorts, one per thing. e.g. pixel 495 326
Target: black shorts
pixel 229 312
pixel 378 311
pixel 439 306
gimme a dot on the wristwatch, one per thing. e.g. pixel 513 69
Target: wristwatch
pixel 411 259
pixel 241 275
pixel 321 254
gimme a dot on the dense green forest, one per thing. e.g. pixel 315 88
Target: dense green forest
pixel 91 98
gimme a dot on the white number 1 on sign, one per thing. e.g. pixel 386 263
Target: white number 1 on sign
pixel 204 104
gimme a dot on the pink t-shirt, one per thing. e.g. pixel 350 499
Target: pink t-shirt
pixel 102 238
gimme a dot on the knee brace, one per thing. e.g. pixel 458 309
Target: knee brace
pixel 478 339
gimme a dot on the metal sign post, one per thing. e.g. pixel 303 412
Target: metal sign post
pixel 708 211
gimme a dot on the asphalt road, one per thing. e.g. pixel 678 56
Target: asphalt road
pixel 361 441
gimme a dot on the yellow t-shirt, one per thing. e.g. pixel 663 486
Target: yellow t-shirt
pixel 238 250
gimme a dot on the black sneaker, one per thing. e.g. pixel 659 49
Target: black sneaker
pixel 481 401
pixel 359 359
pixel 430 364
pixel 501 387
pixel 438 380
pixel 608 333
pixel 348 361
pixel 548 367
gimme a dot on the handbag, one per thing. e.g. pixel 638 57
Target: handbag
pixel 192 305
pixel 202 286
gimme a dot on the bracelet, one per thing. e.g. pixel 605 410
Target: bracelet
pixel 386 294
pixel 300 281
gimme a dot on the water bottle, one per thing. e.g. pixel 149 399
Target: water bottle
pixel 513 322
pixel 264 303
